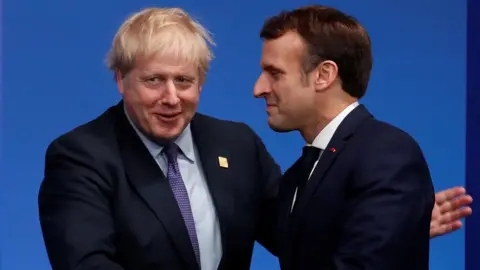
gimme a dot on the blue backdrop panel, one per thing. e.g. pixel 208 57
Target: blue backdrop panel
pixel 472 260
pixel 55 79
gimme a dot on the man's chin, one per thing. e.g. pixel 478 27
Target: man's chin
pixel 278 127
pixel 168 133
pixel 165 137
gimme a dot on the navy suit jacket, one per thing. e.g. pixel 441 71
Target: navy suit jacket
pixel 105 204
pixel 367 205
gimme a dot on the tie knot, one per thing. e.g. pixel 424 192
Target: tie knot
pixel 171 150
pixel 311 153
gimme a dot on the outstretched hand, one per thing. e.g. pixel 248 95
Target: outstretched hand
pixel 451 205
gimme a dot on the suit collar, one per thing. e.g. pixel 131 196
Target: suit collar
pixel 351 122
pixel 324 137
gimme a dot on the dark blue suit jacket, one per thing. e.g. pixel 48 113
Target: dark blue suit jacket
pixel 105 204
pixel 367 205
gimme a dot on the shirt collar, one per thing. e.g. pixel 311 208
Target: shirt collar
pixel 184 141
pixel 324 137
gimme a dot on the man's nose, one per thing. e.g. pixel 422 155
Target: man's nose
pixel 170 95
pixel 261 87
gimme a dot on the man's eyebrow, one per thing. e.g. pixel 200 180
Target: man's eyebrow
pixel 271 68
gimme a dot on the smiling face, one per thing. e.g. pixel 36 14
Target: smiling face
pixel 287 90
pixel 160 57
pixel 161 95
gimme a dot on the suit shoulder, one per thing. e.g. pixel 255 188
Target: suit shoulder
pixel 91 137
pixel 236 128
pixel 237 136
pixel 378 130
pixel 85 155
pixel 377 138
pixel 386 151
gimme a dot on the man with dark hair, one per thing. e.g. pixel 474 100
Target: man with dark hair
pixel 361 195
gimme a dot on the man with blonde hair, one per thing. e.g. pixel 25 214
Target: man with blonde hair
pixel 151 183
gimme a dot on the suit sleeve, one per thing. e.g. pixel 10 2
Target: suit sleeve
pixel 270 175
pixel 74 210
pixel 389 210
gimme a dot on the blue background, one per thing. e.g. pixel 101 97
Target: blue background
pixel 472 260
pixel 54 79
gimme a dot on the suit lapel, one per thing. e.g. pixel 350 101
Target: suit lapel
pixel 330 154
pixel 218 178
pixel 152 186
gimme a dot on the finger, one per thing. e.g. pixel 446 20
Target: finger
pixel 444 229
pixel 448 194
pixel 440 230
pixel 455 215
pixel 436 214
pixel 461 201
pixel 455 225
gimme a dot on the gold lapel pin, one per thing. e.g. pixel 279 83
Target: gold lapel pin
pixel 223 162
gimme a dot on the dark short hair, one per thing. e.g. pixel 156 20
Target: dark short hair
pixel 329 35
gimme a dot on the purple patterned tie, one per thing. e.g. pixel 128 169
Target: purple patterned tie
pixel 180 192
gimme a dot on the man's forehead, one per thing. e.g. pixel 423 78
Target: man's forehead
pixel 161 67
pixel 165 59
pixel 287 44
pixel 285 49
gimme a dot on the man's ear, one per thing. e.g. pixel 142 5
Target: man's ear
pixel 326 74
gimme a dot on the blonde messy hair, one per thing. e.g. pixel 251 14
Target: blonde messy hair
pixel 165 31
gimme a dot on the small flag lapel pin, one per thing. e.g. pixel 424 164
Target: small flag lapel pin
pixel 223 162
pixel 333 150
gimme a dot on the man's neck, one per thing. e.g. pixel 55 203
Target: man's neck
pixel 324 116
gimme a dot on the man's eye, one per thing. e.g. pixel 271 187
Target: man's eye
pixel 274 74
pixel 184 80
pixel 153 80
